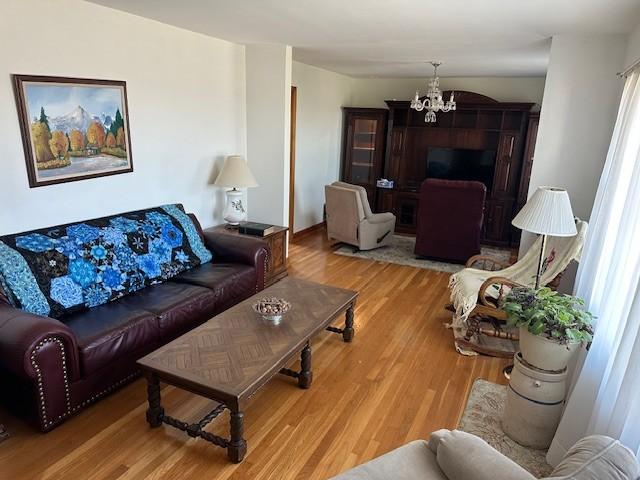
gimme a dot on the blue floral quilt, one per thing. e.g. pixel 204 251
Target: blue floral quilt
pixel 55 271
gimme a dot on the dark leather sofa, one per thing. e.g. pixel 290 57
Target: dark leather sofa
pixel 450 219
pixel 51 369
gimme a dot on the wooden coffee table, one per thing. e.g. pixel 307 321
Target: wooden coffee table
pixel 231 356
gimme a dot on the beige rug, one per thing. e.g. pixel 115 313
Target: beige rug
pixel 401 252
pixel 483 417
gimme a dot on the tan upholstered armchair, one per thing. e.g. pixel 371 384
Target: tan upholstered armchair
pixel 350 219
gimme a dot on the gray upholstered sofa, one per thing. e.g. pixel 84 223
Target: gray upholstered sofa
pixel 457 455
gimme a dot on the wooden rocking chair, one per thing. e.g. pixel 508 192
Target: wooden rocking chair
pixel 484 330
pixel 487 318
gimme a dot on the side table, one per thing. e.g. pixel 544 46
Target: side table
pixel 277 244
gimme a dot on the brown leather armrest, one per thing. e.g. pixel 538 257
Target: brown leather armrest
pixel 21 334
pixel 228 248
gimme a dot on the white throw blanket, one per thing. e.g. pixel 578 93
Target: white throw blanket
pixel 465 285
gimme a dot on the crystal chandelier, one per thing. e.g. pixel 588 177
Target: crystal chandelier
pixel 433 99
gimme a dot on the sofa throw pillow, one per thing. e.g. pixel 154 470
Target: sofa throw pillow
pixel 58 270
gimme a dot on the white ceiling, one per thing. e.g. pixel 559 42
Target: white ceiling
pixel 394 38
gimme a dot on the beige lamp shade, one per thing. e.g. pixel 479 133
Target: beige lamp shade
pixel 547 212
pixel 235 173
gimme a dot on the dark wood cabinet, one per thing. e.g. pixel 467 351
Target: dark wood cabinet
pixel 404 205
pixel 363 147
pixel 525 174
pixel 505 163
pixel 527 161
pixel 386 201
pixel 394 144
pixel 478 123
pixel 497 220
pixel 406 211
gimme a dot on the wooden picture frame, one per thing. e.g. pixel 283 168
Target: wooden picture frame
pixel 63 137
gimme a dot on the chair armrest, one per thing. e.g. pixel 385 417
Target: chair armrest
pixel 487 262
pixel 500 283
pixel 597 457
pixel 462 456
pixel 381 217
pixel 22 334
pixel 238 249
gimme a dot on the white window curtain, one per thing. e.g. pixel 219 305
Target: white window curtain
pixel 606 395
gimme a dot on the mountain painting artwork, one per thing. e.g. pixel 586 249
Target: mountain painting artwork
pixel 72 128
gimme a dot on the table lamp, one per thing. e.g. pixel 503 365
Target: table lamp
pixel 547 212
pixel 235 173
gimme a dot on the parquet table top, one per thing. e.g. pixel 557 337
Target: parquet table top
pixel 232 355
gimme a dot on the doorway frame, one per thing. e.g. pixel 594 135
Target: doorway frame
pixel 292 158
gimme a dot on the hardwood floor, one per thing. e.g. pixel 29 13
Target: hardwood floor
pixel 399 380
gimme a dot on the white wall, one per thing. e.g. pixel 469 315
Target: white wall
pixel 576 122
pixel 186 106
pixel 268 71
pixel 633 47
pixel 321 94
pixel 372 92
pixel 581 99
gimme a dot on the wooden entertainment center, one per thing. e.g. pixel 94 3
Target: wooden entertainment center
pixel 394 144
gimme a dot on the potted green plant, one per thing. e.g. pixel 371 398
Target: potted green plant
pixel 552 325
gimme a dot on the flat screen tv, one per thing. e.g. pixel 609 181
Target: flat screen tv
pixel 461 164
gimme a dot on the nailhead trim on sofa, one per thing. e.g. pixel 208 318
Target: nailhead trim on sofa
pixel 264 280
pixel 105 391
pixel 43 409
pixel 46 422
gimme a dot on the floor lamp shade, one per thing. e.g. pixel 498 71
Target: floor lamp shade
pixel 547 212
pixel 235 173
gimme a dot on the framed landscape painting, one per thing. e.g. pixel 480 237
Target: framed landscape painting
pixel 72 128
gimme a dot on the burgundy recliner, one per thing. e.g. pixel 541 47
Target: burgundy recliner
pixel 450 219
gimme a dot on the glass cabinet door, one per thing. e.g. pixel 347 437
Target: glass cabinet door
pixel 363 150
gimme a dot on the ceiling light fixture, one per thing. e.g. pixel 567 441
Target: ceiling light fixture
pixel 433 99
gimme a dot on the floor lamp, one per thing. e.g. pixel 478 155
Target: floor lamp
pixel 547 212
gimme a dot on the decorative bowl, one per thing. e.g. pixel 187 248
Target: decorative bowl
pixel 272 308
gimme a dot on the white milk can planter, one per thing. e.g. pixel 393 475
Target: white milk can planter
pixel 544 353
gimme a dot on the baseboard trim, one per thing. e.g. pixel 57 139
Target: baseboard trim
pixel 308 230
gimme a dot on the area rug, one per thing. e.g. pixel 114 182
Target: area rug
pixel 401 252
pixel 483 417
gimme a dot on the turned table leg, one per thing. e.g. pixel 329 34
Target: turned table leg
pixel 306 375
pixel 348 331
pixel 237 447
pixel 155 412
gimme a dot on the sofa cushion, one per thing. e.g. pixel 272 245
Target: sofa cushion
pixel 597 457
pixel 178 307
pixel 138 323
pixel 231 282
pixel 111 332
pixel 413 461
pixel 463 456
pixel 59 270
